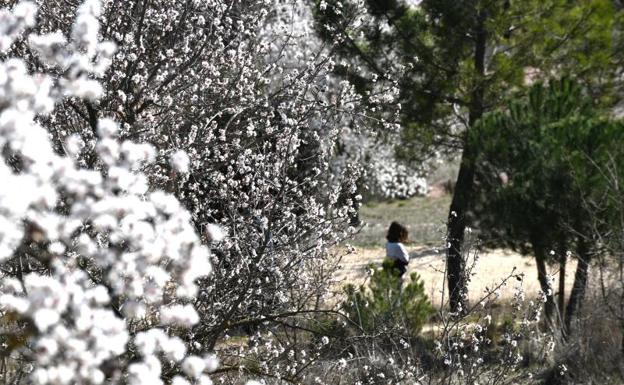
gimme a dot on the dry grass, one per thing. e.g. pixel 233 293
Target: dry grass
pixel 491 268
pixel 424 217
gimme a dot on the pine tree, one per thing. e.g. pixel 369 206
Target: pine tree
pixel 455 60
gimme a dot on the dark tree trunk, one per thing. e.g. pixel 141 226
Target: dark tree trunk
pixel 456 226
pixel 579 287
pixel 562 274
pixel 542 276
pixel 462 197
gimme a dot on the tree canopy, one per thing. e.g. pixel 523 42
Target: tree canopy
pixel 536 170
pixel 455 60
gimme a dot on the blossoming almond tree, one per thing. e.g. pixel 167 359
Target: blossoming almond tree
pixel 243 123
pixel 97 268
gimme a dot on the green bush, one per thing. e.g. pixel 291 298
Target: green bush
pixel 388 304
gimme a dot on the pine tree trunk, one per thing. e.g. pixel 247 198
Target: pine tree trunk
pixel 579 287
pixel 462 196
pixel 456 226
pixel 542 276
pixel 562 273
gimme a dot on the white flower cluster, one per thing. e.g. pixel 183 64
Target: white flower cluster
pixel 154 342
pixel 240 106
pixel 88 252
pixel 76 331
pixel 384 175
pixel 13 24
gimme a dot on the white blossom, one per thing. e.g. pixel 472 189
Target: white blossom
pixel 134 240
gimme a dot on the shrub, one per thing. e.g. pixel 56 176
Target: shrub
pixel 388 303
pixel 99 269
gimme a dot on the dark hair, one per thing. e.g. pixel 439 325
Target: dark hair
pixel 397 233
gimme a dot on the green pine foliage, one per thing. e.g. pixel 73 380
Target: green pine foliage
pixel 545 143
pixel 447 76
pixel 537 170
pixel 388 304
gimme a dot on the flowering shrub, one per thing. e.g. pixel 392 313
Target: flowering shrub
pixel 242 121
pixel 98 269
pixel 384 176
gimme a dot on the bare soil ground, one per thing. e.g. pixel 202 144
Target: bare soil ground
pixel 491 268
pixel 425 219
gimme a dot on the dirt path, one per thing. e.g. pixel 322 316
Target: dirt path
pixel 491 268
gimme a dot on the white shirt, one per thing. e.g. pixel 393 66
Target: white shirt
pixel 396 250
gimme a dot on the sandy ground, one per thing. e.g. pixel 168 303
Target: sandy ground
pixel 490 269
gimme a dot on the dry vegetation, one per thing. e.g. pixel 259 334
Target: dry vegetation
pixel 425 218
pixel 491 268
